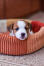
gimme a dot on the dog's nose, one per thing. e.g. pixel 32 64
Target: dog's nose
pixel 22 34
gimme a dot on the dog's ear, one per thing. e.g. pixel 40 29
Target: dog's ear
pixel 10 28
pixel 30 26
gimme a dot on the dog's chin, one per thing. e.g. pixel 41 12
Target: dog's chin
pixel 21 38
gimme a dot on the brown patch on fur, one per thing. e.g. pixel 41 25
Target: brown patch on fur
pixel 11 27
pixel 14 27
pixel 28 25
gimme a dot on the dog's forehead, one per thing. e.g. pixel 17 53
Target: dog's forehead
pixel 21 23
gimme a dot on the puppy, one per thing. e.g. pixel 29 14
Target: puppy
pixel 20 29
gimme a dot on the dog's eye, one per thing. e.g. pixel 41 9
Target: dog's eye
pixel 17 29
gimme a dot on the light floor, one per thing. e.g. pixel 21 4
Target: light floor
pixel 35 59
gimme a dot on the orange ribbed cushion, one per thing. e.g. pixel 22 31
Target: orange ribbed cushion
pixel 13 46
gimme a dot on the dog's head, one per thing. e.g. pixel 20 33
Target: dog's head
pixel 21 29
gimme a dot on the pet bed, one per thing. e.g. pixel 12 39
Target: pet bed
pixel 12 46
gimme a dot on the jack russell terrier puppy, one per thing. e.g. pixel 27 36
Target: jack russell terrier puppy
pixel 20 29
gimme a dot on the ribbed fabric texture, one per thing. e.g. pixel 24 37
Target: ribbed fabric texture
pixel 12 46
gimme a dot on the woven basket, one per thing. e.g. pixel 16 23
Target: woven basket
pixel 12 46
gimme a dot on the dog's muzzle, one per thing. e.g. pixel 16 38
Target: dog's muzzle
pixel 21 34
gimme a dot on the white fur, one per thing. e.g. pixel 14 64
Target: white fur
pixel 21 24
pixel 22 29
pixel 18 34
